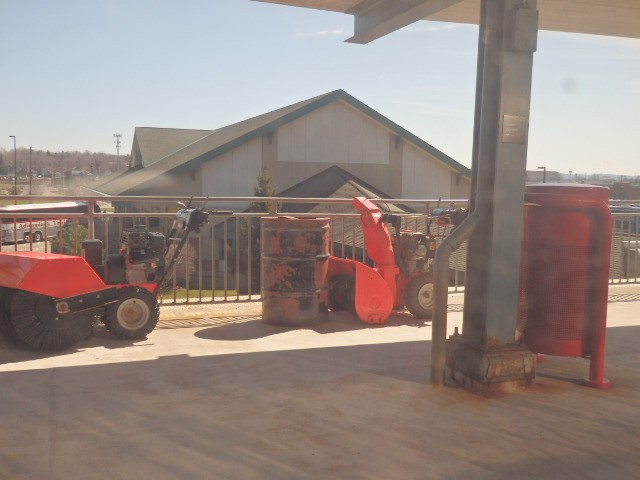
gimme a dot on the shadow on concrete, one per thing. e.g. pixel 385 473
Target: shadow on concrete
pixel 358 412
pixel 337 322
pixel 235 328
pixel 12 351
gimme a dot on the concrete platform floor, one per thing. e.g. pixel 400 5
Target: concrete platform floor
pixel 217 394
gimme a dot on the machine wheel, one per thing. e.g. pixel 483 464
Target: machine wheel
pixel 37 237
pixel 32 319
pixel 342 293
pixel 25 237
pixel 418 296
pixel 134 315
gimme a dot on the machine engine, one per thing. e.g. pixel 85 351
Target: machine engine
pixel 141 258
pixel 414 251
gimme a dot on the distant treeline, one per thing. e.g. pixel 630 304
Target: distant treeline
pixel 45 162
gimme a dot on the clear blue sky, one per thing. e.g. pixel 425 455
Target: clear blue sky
pixel 74 72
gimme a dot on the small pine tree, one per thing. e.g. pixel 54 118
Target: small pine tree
pixel 69 237
pixel 251 225
pixel 263 189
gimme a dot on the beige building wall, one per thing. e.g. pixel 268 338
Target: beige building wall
pixel 336 134
pixel 342 135
pixel 460 186
pixel 425 177
pixel 233 174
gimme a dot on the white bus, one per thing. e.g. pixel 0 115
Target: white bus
pixel 17 226
pixel 35 230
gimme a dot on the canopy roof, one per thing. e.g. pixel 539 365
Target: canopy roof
pixel 375 18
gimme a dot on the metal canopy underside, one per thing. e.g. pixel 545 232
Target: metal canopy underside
pixel 375 18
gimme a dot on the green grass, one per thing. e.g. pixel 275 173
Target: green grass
pixel 181 294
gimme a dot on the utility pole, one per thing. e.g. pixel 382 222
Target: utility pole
pixel 30 150
pixel 15 165
pixel 117 136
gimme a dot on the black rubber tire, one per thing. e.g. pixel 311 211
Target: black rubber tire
pixel 5 324
pixel 342 293
pixel 418 296
pixel 25 237
pixel 33 320
pixel 37 237
pixel 134 315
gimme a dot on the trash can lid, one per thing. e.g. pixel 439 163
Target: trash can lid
pixel 579 189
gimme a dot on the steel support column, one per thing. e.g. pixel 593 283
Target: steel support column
pixel 507 40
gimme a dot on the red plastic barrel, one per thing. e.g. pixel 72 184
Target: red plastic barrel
pixel 295 253
pixel 565 272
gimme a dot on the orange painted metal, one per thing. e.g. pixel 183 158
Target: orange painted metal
pixel 565 273
pixel 373 297
pixel 378 242
pixel 379 289
pixel 374 300
pixel 49 274
pixel 376 235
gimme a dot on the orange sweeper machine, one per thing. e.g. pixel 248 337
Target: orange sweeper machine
pixel 49 302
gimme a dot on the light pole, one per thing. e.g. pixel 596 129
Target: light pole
pixel 15 163
pixel 30 150
pixel 544 174
pixel 117 136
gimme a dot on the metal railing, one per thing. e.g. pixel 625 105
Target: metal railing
pixel 221 263
pixel 625 249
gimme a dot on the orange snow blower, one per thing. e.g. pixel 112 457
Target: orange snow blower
pixel 402 275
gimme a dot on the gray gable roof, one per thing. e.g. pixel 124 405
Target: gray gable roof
pixel 334 182
pixel 153 144
pixel 227 138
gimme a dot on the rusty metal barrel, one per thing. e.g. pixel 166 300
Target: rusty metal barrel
pixel 294 256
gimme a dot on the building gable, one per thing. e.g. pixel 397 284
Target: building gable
pixel 334 128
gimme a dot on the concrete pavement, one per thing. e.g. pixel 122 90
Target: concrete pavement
pixel 218 394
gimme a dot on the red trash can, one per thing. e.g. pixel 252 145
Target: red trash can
pixel 564 273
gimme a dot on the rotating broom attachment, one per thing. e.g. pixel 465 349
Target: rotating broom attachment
pixel 32 319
